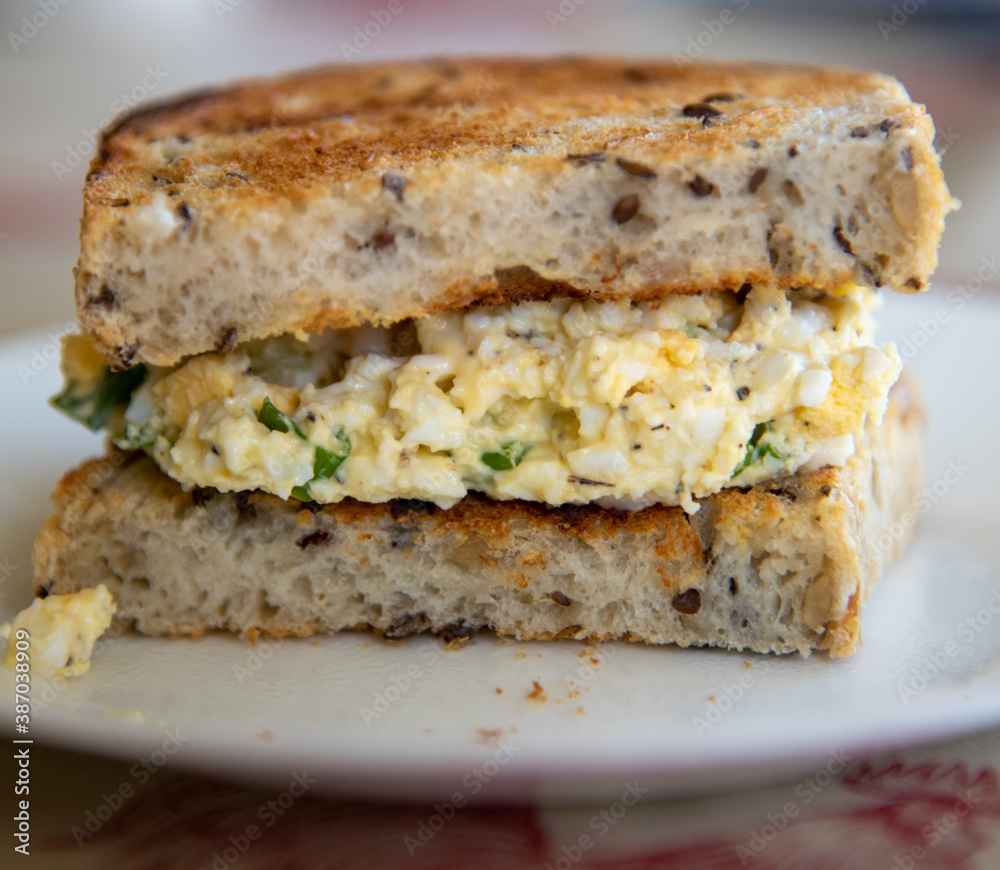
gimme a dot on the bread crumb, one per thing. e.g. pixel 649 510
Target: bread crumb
pixel 125 715
pixel 537 693
pixel 499 691
pixel 490 736
pixel 267 736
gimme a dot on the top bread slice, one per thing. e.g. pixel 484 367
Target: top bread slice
pixel 354 194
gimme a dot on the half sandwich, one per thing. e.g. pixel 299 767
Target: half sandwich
pixel 559 348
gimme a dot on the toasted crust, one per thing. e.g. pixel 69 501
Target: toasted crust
pixel 376 193
pixel 780 567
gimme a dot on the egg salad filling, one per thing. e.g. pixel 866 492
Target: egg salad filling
pixel 562 401
pixel 61 630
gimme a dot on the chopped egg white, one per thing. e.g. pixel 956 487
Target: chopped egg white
pixel 62 631
pixel 562 401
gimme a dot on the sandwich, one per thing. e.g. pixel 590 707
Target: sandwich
pixel 559 348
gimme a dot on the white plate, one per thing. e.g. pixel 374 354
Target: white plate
pixel 259 714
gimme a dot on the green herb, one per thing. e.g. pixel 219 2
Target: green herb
pixel 325 464
pixel 509 456
pixel 95 408
pixel 758 447
pixel 136 437
pixel 277 421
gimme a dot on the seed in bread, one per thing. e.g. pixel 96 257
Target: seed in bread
pixel 378 193
pixel 784 566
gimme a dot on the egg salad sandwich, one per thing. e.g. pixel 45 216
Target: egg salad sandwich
pixel 561 348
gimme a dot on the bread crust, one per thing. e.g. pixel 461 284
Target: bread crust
pixel 399 101
pixel 781 567
pixel 353 194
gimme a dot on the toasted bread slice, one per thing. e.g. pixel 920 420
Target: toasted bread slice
pixel 378 193
pixel 781 567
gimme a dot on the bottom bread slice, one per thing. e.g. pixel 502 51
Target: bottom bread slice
pixel 780 567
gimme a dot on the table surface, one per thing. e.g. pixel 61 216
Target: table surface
pixel 77 64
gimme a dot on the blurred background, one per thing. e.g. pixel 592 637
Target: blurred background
pixel 69 66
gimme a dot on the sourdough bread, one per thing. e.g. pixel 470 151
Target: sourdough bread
pixel 781 567
pixel 354 194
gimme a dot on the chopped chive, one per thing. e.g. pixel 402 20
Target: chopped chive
pixel 135 437
pixel 277 421
pixel 756 451
pixel 301 493
pixel 95 408
pixel 498 461
pixel 509 456
pixel 325 463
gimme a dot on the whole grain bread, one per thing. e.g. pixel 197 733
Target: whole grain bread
pixel 376 193
pixel 781 567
